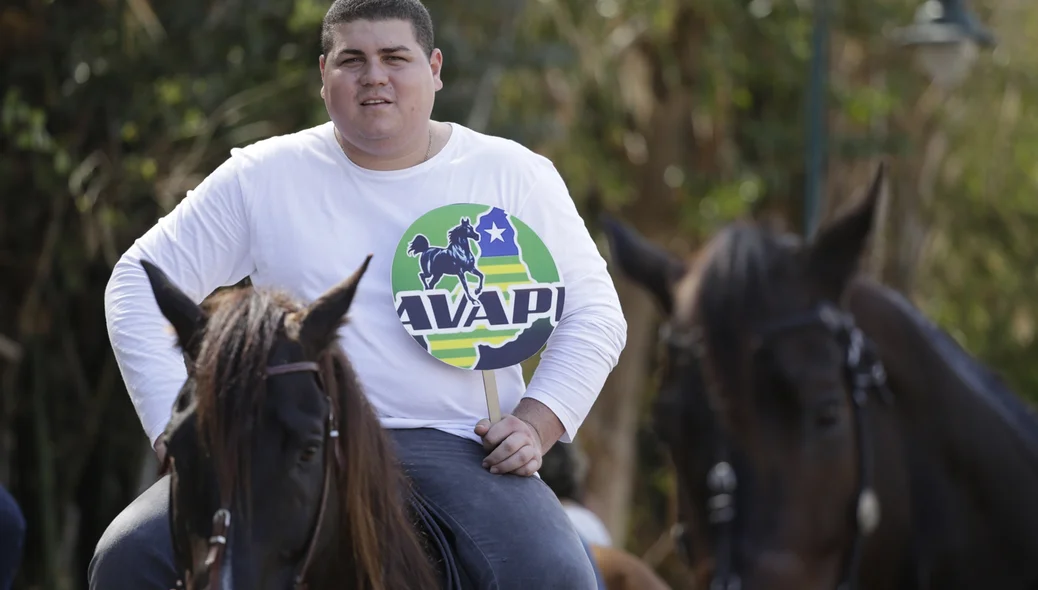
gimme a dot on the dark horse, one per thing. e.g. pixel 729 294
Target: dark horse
pixel 824 433
pixel 282 476
pixel 456 259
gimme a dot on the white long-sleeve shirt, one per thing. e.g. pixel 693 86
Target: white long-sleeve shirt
pixel 293 212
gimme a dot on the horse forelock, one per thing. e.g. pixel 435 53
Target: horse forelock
pixel 729 293
pixel 230 384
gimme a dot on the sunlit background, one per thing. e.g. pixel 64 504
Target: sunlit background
pixel 675 115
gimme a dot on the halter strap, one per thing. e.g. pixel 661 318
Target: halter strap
pixel 332 458
pixel 293 368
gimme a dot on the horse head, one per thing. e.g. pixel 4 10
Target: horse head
pixel 464 231
pixel 262 434
pixel 762 401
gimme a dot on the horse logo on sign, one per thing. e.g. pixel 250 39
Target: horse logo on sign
pixel 455 259
pixel 476 287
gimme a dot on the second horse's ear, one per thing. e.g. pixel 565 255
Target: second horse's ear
pixel 648 265
pixel 837 249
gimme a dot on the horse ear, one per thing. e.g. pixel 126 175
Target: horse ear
pixel 187 317
pixel 649 266
pixel 833 257
pixel 324 316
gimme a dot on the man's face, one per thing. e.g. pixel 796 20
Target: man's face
pixel 378 84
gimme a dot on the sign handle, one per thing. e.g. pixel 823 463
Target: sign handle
pixel 490 387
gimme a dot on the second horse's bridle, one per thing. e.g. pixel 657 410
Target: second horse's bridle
pixel 865 376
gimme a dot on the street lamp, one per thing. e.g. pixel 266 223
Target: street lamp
pixel 945 39
pixel 817 110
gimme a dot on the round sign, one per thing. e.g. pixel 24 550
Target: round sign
pixel 475 287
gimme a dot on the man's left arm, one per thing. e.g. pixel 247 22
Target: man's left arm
pixel 581 351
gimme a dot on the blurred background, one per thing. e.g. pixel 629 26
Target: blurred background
pixel 676 115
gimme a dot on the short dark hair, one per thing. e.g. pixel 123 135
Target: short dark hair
pixel 347 11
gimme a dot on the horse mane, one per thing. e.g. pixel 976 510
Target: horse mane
pixel 230 384
pixel 939 353
pixel 984 434
pixel 384 541
pixel 379 539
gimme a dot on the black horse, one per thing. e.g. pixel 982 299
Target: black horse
pixel 281 475
pixel 824 433
pixel 455 259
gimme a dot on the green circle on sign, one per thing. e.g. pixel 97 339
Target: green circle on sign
pixel 440 263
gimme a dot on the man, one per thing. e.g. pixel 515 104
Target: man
pixel 300 212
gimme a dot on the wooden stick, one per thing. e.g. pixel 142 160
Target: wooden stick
pixel 493 404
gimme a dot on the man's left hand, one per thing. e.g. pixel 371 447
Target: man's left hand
pixel 517 444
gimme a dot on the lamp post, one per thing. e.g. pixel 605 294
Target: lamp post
pixel 945 38
pixel 817 109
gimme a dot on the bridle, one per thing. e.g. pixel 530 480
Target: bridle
pixel 865 375
pixel 218 541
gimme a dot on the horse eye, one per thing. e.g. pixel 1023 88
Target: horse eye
pixel 309 452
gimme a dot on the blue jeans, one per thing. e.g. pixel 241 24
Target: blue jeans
pixel 12 538
pixel 506 531
pixel 599 582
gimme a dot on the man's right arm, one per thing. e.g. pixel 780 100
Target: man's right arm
pixel 203 244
